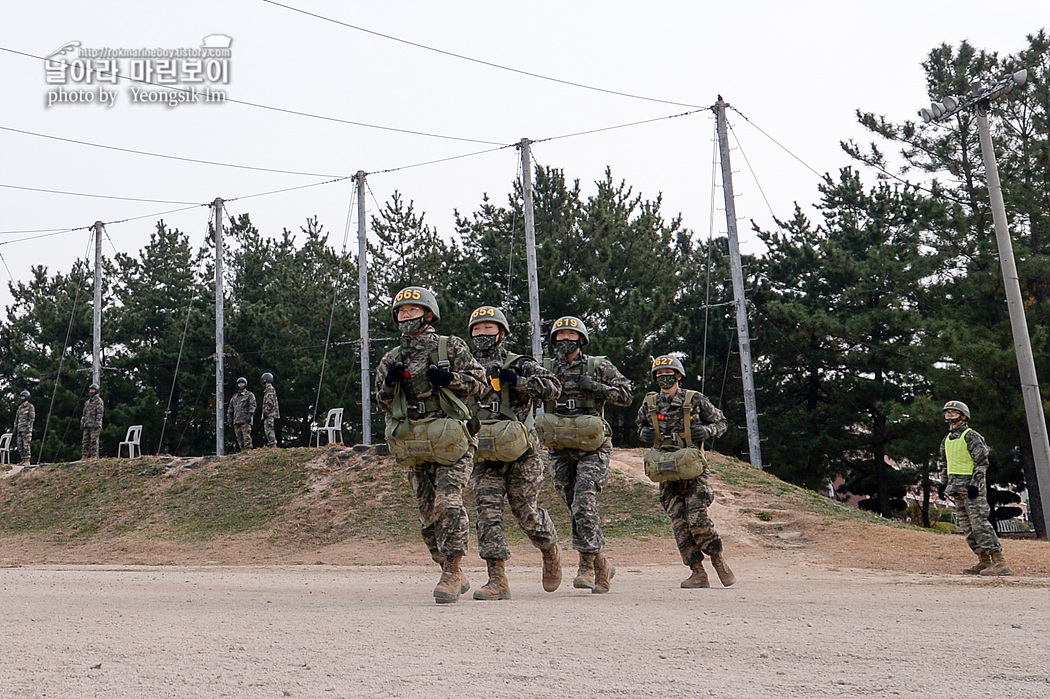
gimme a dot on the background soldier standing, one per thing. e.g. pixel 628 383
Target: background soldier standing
pixel 517 384
pixel 966 454
pixel 415 384
pixel 25 416
pixel 686 500
pixel 270 409
pixel 91 423
pixel 580 475
pixel 241 412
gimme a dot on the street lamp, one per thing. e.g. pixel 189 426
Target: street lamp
pixel 980 105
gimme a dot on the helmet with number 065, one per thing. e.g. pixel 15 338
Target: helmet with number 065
pixel 667 361
pixel 416 295
pixel 957 405
pixel 488 314
pixel 570 323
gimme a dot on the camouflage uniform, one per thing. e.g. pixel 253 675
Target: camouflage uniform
pixel 270 412
pixel 580 475
pixel 686 501
pixel 972 515
pixel 438 489
pixel 240 412
pixel 91 423
pixel 25 416
pixel 518 482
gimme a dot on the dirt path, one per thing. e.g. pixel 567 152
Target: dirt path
pixel 787 629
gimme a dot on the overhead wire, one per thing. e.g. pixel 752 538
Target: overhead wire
pixel 710 245
pixel 93 196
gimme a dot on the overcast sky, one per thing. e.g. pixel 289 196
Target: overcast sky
pixel 796 70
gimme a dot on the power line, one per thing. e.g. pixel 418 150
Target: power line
pixel 479 61
pixel 782 146
pixel 93 196
pixel 621 126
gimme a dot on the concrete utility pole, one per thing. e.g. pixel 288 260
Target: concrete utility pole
pixel 220 376
pixel 362 303
pixel 96 319
pixel 742 333
pixel 530 251
pixel 981 104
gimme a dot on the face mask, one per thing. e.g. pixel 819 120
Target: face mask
pixel 566 347
pixel 410 327
pixel 485 342
pixel 666 380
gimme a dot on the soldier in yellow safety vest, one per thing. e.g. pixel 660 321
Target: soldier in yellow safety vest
pixel 966 455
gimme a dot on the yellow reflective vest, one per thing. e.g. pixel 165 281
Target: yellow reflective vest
pixel 960 462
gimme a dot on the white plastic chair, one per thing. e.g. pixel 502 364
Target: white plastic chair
pixel 131 441
pixel 333 425
pixel 5 448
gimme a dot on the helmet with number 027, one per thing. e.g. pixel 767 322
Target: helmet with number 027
pixel 667 361
pixel 957 405
pixel 570 323
pixel 488 314
pixel 416 295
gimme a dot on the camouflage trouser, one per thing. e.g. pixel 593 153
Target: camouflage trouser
pixel 89 444
pixel 972 515
pixel 271 435
pixel 442 514
pixel 24 440
pixel 579 476
pixel 243 430
pixel 519 483
pixel 686 503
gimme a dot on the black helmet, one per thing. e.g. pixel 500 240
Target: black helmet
pixel 488 314
pixel 667 361
pixel 93 387
pixel 571 323
pixel 416 295
pixel 24 394
pixel 241 379
pixel 957 405
pixel 266 378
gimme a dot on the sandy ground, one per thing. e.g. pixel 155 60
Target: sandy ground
pixel 788 628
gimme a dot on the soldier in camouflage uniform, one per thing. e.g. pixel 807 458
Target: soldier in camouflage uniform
pixel 519 481
pixel 270 409
pixel 966 455
pixel 91 423
pixel 241 411
pixel 685 501
pixel 25 416
pixel 580 475
pixel 438 488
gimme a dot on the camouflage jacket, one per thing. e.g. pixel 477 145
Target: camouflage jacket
pixel 974 443
pixel 241 409
pixel 707 421
pixel 614 388
pixel 92 417
pixel 270 407
pixel 468 376
pixel 535 384
pixel 25 416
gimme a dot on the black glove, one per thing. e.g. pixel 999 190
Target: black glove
pixel 972 492
pixel 699 433
pixel 647 434
pixel 509 377
pixel 940 490
pixel 440 377
pixel 587 383
pixel 395 374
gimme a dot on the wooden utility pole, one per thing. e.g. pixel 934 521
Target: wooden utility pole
pixel 220 377
pixel 530 251
pixel 96 319
pixel 362 303
pixel 742 333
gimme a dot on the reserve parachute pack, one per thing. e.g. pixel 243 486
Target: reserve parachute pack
pixel 674 464
pixel 441 440
pixel 501 435
pixel 583 432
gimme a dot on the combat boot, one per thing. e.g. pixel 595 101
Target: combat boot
pixel 551 568
pixel 453 581
pixel 984 562
pixel 725 575
pixel 498 587
pixel 438 558
pixel 585 575
pixel 603 573
pixel 998 566
pixel 698 579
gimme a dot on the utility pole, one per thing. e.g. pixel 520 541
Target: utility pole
pixel 530 251
pixel 96 319
pixel 742 333
pixel 362 304
pixel 980 105
pixel 220 378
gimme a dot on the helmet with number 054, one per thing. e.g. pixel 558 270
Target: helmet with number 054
pixel 667 361
pixel 957 405
pixel 488 314
pixel 571 323
pixel 416 295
